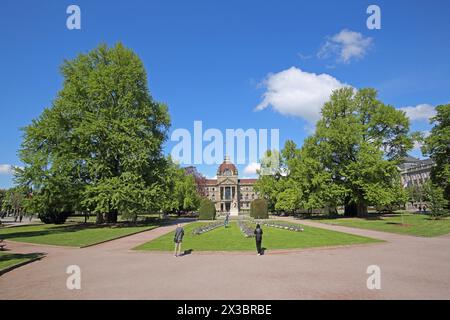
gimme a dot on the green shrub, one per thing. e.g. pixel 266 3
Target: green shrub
pixel 207 210
pixel 54 217
pixel 435 200
pixel 258 209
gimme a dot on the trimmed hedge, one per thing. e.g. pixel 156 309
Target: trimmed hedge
pixel 258 209
pixel 207 210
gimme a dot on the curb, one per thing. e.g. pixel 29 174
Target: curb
pixel 121 237
pixel 75 247
pixel 10 268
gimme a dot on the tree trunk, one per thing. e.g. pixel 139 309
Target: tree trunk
pixel 111 217
pixel 350 210
pixel 361 209
pixel 100 218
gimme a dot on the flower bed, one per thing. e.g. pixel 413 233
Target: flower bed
pixel 246 228
pixel 207 227
pixel 281 225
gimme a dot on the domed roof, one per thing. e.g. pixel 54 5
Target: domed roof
pixel 227 165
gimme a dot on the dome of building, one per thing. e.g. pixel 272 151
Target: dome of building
pixel 227 168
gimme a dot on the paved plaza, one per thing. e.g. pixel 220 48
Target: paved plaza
pixel 411 268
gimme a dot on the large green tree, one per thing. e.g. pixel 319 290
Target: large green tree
pixel 352 158
pixel 99 146
pixel 437 146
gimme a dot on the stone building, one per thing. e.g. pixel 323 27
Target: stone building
pixel 228 192
pixel 414 172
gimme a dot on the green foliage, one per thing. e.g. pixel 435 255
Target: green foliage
pixel 258 209
pixel 14 200
pixel 350 160
pixel 179 190
pixel 98 147
pixel 435 200
pixel 207 210
pixel 52 217
pixel 437 146
pixel 415 193
pixel 288 200
pixel 354 152
pixel 2 198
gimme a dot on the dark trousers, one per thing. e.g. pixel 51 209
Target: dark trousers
pixel 258 246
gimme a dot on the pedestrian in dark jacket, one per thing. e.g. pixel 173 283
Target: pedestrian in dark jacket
pixel 178 239
pixel 258 238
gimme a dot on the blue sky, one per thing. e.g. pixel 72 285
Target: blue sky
pixel 214 61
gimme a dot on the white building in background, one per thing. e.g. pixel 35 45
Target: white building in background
pixel 228 192
pixel 414 172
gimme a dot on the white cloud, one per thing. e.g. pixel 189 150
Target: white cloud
pixel 298 93
pixel 347 45
pixel 419 112
pixel 252 168
pixel 6 169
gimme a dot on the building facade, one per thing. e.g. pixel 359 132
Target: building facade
pixel 228 192
pixel 415 172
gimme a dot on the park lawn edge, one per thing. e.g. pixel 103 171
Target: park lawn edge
pixel 116 238
pixel 354 224
pixel 272 251
pixel 78 247
pixel 20 264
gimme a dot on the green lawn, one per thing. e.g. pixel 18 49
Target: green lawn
pixel 71 235
pixel 232 239
pixel 413 224
pixel 8 260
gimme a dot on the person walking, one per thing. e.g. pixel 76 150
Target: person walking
pixel 178 239
pixel 258 237
pixel 227 220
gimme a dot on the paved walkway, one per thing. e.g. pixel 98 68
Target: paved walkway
pixel 411 268
pixel 10 221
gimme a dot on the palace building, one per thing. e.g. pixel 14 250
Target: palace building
pixel 228 192
pixel 415 172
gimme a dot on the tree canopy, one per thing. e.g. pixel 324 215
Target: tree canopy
pixel 437 146
pixel 350 160
pixel 99 146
